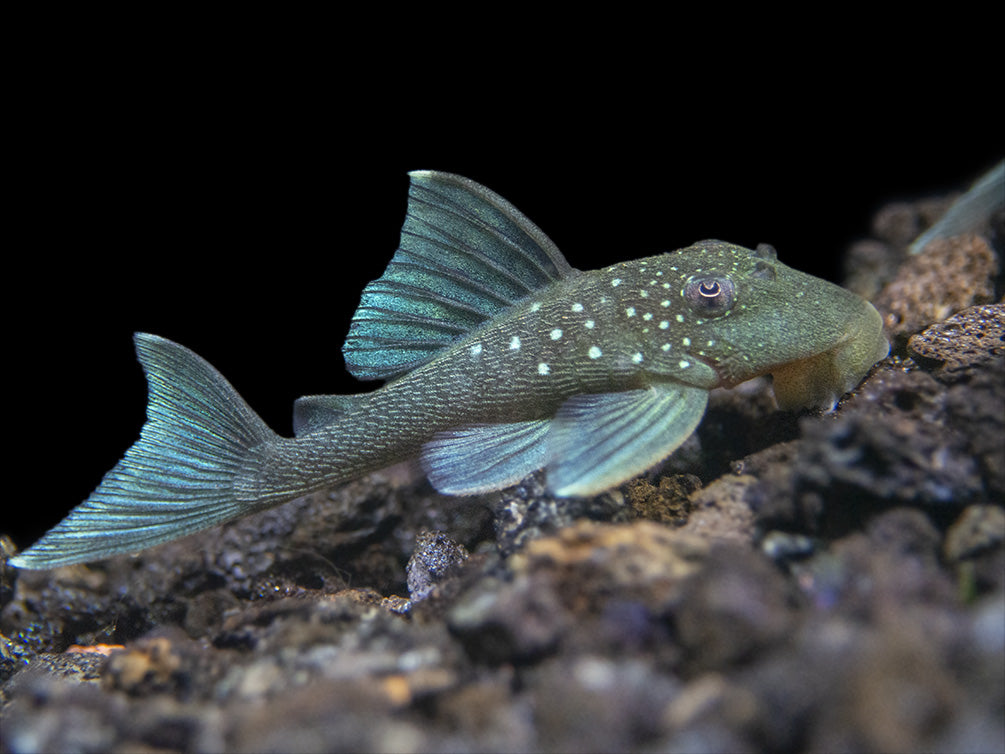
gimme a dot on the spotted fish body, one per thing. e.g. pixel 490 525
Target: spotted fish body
pixel 500 359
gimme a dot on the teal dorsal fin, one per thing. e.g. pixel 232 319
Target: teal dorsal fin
pixel 465 254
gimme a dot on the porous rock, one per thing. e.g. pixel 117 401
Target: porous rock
pixel 948 276
pixel 970 338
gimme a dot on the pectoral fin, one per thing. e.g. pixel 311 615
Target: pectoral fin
pixel 600 441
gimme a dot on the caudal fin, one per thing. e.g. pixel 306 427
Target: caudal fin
pixel 177 478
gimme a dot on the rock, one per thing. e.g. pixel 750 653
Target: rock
pixel 979 528
pixel 435 558
pixel 736 606
pixel 526 512
pixel 947 277
pixel 591 584
pixel 975 546
pixel 968 339
pixel 901 441
pixel 148 666
pixel 722 511
pixel 869 265
pixel 667 502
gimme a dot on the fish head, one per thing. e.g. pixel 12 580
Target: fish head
pixel 748 315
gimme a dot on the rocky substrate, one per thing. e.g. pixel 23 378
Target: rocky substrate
pixel 816 582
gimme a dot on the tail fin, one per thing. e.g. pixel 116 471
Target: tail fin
pixel 177 478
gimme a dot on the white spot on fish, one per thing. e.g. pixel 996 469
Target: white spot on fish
pixel 514 345
pixel 683 363
pixel 577 307
pixel 476 349
pixel 543 368
pixel 630 311
pixel 556 334
pixel 665 346
pixel 637 357
pixel 686 342
pixel 536 306
pixel 665 303
pixel 616 282
pixel 589 324
pixel 595 353
pixel 680 317
pixel 664 324
pixel 647 316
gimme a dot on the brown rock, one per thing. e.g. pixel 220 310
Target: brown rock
pixel 950 275
pixel 970 338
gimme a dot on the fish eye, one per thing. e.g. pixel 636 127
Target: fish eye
pixel 710 295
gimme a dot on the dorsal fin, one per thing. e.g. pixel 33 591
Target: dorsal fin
pixel 465 254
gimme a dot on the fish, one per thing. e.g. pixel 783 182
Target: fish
pixel 498 359
pixel 971 212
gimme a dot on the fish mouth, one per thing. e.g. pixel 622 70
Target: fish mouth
pixel 821 379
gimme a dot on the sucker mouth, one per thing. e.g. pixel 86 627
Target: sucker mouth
pixel 820 380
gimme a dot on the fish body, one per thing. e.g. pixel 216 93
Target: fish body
pixel 499 359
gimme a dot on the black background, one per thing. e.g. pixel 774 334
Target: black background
pixel 238 201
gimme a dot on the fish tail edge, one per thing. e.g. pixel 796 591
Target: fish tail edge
pixel 182 475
